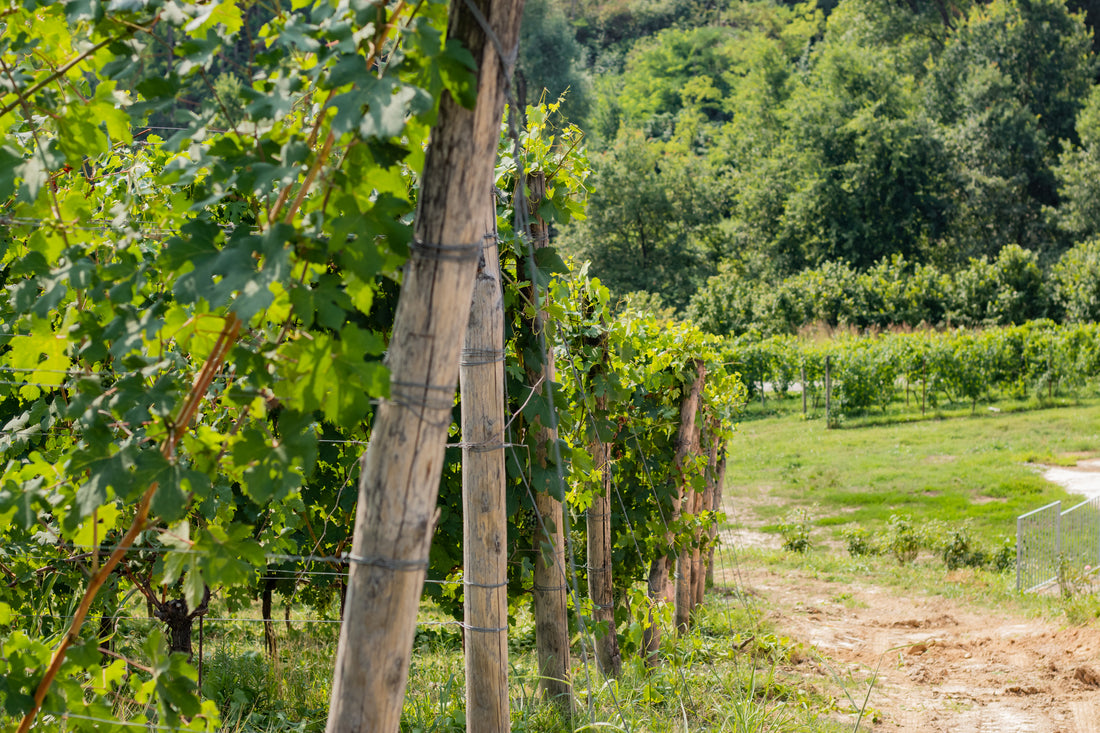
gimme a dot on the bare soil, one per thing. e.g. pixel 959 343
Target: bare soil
pixel 941 666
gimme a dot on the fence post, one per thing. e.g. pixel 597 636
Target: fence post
pixel 549 585
pixel 923 383
pixel 802 375
pixel 1019 552
pixel 828 393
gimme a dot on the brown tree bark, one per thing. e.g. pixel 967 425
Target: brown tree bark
pixel 550 583
pixel 484 518
pixel 401 468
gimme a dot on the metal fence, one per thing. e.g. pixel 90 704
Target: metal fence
pixel 1049 540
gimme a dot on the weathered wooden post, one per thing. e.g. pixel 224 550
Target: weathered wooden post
pixel 399 481
pixel 716 505
pixel 550 584
pixel 706 502
pixel 598 519
pixel 660 587
pixel 802 379
pixel 828 394
pixel 484 516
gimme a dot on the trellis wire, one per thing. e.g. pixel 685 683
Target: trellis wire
pixel 521 216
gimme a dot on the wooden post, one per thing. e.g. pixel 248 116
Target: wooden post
pixel 923 383
pixel 271 641
pixel 660 589
pixel 484 518
pixel 399 480
pixel 706 502
pixel 689 446
pixel 550 582
pixel 828 394
pixel 802 378
pixel 598 517
pixel 719 482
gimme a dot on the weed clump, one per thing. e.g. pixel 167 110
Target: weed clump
pixel 795 529
pixel 861 542
pixel 957 549
pixel 902 539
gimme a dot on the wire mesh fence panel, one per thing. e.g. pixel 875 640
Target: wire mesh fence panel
pixel 1081 536
pixel 1038 546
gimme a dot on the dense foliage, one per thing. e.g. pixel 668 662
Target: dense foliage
pixel 1037 360
pixel 751 141
pixel 205 212
pixel 896 292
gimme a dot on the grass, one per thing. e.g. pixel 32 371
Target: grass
pixel 964 468
pixel 734 671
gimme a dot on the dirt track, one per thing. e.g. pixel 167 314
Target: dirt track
pixel 941 666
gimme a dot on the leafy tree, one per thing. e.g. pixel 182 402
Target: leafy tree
pixel 1076 279
pixel 1078 174
pixel 650 219
pixel 551 61
pixel 673 71
pixel 854 173
pixel 1008 88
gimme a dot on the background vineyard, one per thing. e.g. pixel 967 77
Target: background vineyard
pixel 926 369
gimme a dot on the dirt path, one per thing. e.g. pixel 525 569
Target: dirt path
pixel 1083 479
pixel 941 666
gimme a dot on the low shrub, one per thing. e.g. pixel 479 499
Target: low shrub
pixel 957 549
pixel 1004 557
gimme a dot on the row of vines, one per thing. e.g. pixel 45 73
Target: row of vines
pixel 1038 359
pixel 206 210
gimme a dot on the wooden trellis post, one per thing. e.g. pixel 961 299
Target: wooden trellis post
pixel 598 518
pixel 550 583
pixel 399 481
pixel 689 422
pixel 484 515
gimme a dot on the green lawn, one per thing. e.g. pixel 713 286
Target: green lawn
pixel 962 467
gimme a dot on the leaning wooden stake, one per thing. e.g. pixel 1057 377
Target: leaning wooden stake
pixel 598 518
pixel 403 463
pixel 484 518
pixel 550 583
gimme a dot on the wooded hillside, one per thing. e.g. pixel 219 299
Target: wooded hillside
pixel 759 139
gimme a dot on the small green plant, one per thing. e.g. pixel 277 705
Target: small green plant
pixel 795 529
pixel 1075 580
pixel 1004 557
pixel 957 549
pixel 753 711
pixel 860 542
pixel 902 539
